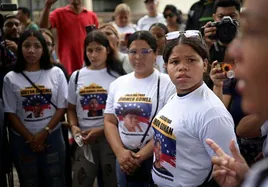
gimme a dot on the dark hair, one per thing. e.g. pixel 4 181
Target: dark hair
pixel 143 35
pixel 198 45
pixel 134 111
pixel 112 62
pixel 45 58
pixel 161 25
pixel 175 11
pixel 227 3
pixel 48 33
pixel 25 11
pixel 9 16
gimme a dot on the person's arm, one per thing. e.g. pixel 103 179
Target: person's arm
pixel 250 126
pixel 44 17
pixel 226 99
pixel 146 151
pixel 19 127
pixel 56 41
pixel 126 158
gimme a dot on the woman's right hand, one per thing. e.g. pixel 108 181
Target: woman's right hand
pixel 217 75
pixel 75 129
pixel 127 161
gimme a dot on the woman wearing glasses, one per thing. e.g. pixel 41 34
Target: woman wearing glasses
pixel 194 114
pixel 173 18
pixel 143 92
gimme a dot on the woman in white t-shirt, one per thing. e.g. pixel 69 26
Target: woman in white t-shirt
pixel 34 100
pixel 195 113
pixel 159 30
pixel 87 96
pixel 132 101
pixel 122 22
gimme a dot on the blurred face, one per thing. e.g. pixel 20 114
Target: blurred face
pixel 226 11
pixel 122 19
pixel 94 104
pixel 37 110
pixel 12 28
pixel 75 2
pixel 21 16
pixel 170 17
pixel 185 68
pixel 131 120
pixel 111 36
pixel 48 42
pixel 159 34
pixel 142 58
pixel 32 50
pixel 97 55
pixel 250 53
pixel 151 6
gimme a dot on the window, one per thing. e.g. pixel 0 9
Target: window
pixel 105 5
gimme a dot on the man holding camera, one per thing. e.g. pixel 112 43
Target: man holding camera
pixel 69 29
pixel 221 32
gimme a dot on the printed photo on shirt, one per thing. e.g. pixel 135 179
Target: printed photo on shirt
pixel 134 112
pixel 93 100
pixel 34 103
pixel 164 148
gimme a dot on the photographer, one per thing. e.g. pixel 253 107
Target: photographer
pixel 220 33
pixel 8 47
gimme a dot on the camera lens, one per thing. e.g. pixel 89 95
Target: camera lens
pixel 226 32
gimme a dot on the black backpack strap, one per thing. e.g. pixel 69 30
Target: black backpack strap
pixel 76 79
pixel 40 91
pixel 156 109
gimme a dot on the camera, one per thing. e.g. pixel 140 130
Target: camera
pixel 227 68
pixel 226 29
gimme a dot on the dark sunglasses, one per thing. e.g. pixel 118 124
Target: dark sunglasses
pixel 168 15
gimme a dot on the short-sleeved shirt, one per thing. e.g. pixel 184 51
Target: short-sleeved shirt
pixel 33 109
pixel 89 95
pixel 71 35
pixel 146 21
pixel 181 155
pixel 133 102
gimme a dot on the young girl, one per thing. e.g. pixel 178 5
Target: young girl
pixel 159 30
pixel 34 99
pixel 194 114
pixel 87 95
pixel 132 102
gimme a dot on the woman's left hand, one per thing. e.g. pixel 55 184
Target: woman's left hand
pixel 39 139
pixel 91 135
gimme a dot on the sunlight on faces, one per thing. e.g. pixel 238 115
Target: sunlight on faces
pixel 113 39
pixel 250 52
pixel 97 55
pixel 186 68
pixel 151 6
pixel 32 50
pixel 142 64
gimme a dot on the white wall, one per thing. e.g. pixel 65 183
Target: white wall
pixel 183 5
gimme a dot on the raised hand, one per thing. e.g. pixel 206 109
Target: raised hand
pixel 228 171
pixel 50 2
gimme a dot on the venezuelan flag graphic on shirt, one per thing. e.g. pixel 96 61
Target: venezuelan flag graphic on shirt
pixel 133 112
pixel 34 103
pixel 93 100
pixel 164 148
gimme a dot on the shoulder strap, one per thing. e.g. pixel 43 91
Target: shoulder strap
pixel 76 79
pixel 40 91
pixel 156 109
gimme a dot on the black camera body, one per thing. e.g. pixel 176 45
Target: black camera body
pixel 226 29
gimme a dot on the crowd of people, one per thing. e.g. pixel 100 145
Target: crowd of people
pixel 165 102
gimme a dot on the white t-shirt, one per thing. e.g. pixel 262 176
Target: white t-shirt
pixel 254 174
pixel 145 22
pixel 89 95
pixel 22 99
pixel 264 132
pixel 130 28
pixel 133 101
pixel 181 155
pixel 160 64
